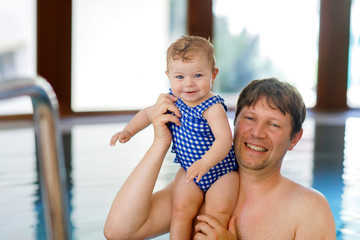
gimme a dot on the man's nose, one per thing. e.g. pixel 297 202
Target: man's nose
pixel 259 130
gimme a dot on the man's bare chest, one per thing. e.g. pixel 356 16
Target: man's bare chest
pixel 262 222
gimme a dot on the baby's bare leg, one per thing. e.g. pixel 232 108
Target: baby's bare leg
pixel 187 199
pixel 221 197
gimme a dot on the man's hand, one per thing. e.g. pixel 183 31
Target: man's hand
pixel 210 228
pixel 159 116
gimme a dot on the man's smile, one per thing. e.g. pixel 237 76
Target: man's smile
pixel 256 148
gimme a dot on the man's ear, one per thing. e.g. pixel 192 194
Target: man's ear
pixel 295 139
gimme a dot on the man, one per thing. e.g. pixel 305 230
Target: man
pixel 268 123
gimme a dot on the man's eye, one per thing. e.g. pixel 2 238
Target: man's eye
pixel 198 75
pixel 179 77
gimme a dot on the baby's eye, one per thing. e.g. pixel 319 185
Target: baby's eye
pixel 198 75
pixel 179 77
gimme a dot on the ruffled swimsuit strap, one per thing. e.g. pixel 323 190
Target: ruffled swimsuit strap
pixel 199 109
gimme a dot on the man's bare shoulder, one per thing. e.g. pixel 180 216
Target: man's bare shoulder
pixel 303 196
pixel 312 212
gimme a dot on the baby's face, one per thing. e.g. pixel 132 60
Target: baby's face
pixel 191 81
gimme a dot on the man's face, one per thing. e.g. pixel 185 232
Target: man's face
pixel 262 136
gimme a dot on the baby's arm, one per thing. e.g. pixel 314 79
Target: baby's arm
pixel 140 121
pixel 219 124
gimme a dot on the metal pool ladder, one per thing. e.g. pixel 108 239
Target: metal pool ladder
pixel 49 149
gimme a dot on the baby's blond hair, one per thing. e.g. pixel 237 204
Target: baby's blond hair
pixel 185 47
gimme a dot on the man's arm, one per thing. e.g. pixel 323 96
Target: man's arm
pixel 137 213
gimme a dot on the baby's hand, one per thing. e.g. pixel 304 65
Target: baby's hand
pixel 197 169
pixel 122 137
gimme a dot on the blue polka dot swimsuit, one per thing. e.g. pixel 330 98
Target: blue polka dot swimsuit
pixel 194 138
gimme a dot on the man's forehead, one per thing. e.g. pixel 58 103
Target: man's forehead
pixel 264 104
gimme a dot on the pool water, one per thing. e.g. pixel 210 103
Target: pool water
pixel 326 158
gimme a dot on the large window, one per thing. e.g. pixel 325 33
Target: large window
pixel 261 38
pixel 119 51
pixel 118 48
pixel 353 96
pixel 17 48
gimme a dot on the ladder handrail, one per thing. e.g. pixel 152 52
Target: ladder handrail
pixel 49 149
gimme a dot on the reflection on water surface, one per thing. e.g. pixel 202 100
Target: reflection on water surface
pixel 326 159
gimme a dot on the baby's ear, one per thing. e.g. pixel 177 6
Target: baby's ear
pixel 214 74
